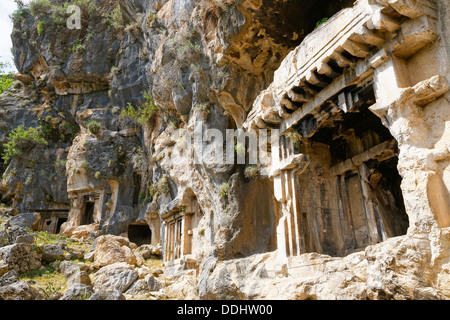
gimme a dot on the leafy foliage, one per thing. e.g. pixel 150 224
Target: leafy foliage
pixel 144 112
pixel 321 21
pixel 41 27
pixel 223 189
pixel 78 46
pixel 58 12
pixel 6 79
pixel 40 7
pixel 240 149
pixel 20 140
pixel 295 137
pixel 113 18
pixel 251 172
pixel 93 127
pixel 20 14
pixel 163 185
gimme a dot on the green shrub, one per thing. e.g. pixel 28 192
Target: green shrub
pixel 20 14
pixel 163 185
pixel 321 21
pixel 51 288
pixel 41 27
pixel 295 137
pixel 84 164
pixel 40 7
pixel 224 189
pixel 251 172
pixel 6 81
pixel 47 129
pixel 114 18
pixel 98 175
pixel 152 190
pixel 58 12
pixel 203 106
pixel 60 166
pixel 86 5
pixel 144 112
pixel 151 16
pixel 6 78
pixel 240 148
pixel 188 47
pixel 94 127
pixel 78 46
pixel 21 140
pixel 69 130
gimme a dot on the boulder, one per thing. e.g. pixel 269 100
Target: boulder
pixel 24 220
pixel 117 276
pixel 81 232
pixel 8 278
pixel 12 235
pixel 11 212
pixel 19 290
pixel 20 257
pixel 52 252
pixel 149 251
pixel 153 284
pixel 74 273
pixel 3 238
pixel 89 256
pixel 107 295
pixel 25 238
pixel 3 267
pixel 78 291
pixel 111 249
pixel 139 287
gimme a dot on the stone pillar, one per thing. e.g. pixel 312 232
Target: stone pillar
pixel 402 110
pixel 285 166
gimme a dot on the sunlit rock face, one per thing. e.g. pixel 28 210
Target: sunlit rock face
pixel 354 200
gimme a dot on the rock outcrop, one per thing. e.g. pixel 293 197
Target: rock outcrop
pixel 129 148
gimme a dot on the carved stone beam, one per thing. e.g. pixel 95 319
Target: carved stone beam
pixel 296 162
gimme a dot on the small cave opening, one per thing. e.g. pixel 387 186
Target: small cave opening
pixel 88 213
pixel 59 223
pixel 139 234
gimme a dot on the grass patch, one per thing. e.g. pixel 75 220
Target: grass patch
pixel 47 279
pixel 44 238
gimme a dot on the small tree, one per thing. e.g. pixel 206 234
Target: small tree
pixel 6 78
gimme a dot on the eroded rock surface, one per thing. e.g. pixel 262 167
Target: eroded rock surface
pixel 351 203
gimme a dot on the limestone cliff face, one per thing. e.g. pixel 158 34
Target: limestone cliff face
pixel 208 53
pixel 253 65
